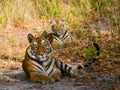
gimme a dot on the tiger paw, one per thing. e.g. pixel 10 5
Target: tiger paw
pixel 56 76
pixel 52 81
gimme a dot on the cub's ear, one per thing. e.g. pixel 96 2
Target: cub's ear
pixel 30 37
pixel 45 34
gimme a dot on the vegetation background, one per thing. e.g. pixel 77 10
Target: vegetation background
pixel 87 20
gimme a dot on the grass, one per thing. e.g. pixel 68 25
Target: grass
pixel 77 11
pixel 79 15
pixel 16 11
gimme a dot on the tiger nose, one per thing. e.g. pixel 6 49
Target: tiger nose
pixel 41 54
pixel 42 51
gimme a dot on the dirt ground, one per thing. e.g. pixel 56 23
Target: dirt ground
pixel 12 77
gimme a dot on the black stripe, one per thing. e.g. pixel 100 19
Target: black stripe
pixel 66 68
pixel 98 53
pixel 90 63
pixel 61 67
pixel 31 57
pixel 79 67
pixel 69 71
pixel 37 66
pixel 48 65
pixel 65 37
pixel 64 33
pixel 55 37
pixel 86 65
pixel 55 34
pixel 97 46
pixel 35 60
pixel 51 71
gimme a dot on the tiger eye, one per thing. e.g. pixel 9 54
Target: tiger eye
pixel 35 44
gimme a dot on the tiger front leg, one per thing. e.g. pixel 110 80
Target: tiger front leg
pixel 41 78
pixel 56 75
pixel 68 37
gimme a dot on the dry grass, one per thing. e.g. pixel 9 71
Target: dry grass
pixel 84 11
pixel 87 19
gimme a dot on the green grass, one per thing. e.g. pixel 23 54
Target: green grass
pixel 83 10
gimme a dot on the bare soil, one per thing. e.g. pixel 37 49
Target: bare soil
pixel 12 77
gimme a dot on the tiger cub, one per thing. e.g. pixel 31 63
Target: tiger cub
pixel 41 66
pixel 60 32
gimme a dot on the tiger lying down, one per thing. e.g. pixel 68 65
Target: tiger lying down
pixel 41 66
pixel 59 31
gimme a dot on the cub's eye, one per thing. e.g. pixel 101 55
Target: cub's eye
pixel 48 49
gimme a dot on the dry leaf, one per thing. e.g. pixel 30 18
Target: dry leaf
pixel 6 79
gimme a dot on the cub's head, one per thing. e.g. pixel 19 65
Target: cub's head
pixel 58 26
pixel 39 49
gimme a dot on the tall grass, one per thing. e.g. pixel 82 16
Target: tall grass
pixel 79 11
pixel 25 10
pixel 16 11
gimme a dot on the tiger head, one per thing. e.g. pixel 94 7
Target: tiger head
pixel 58 27
pixel 39 49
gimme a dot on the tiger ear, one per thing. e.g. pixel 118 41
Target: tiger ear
pixel 30 37
pixel 45 34
pixel 50 37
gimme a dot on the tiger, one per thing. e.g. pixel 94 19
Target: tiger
pixel 51 37
pixel 41 66
pixel 60 31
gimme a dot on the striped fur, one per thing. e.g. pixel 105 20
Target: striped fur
pixel 41 65
pixel 60 32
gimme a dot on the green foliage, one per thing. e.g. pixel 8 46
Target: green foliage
pixel 96 39
pixel 85 34
pixel 75 25
pixel 90 52
pixel 43 17
pixel 54 11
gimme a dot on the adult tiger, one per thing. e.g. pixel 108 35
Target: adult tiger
pixel 60 32
pixel 41 65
